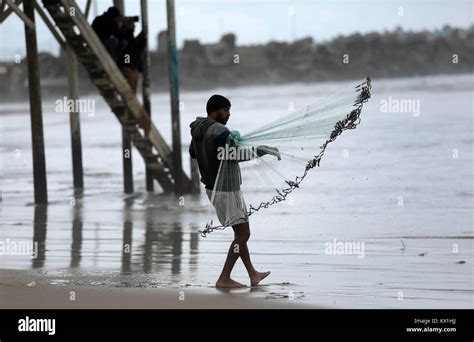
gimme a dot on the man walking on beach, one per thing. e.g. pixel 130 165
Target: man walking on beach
pixel 208 134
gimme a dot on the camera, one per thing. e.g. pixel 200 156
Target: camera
pixel 134 18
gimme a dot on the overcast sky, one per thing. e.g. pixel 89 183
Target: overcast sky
pixel 257 22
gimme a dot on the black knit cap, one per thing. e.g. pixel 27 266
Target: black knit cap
pixel 114 12
pixel 217 102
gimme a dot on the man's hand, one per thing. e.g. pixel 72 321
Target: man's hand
pixel 270 150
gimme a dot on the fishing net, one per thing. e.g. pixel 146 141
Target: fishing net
pixel 263 167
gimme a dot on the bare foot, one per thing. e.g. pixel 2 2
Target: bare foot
pixel 258 277
pixel 229 283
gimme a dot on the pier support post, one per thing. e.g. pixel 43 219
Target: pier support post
pixel 126 143
pixel 74 119
pixel 36 113
pixel 173 75
pixel 146 80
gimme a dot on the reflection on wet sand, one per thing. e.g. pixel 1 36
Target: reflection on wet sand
pixel 194 248
pixel 127 236
pixel 127 242
pixel 159 250
pixel 151 246
pixel 39 234
pixel 76 236
pixel 163 244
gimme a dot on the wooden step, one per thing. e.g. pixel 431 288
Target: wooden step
pixel 130 127
pixel 62 19
pixel 115 102
pixel 155 167
pixel 104 86
pixel 119 109
pixel 151 156
pixel 76 41
pixel 80 49
pixel 85 54
pixel 109 93
pixel 98 74
pixel 103 83
pixel 142 142
pixel 129 120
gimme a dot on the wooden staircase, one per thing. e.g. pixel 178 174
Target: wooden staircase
pixel 116 91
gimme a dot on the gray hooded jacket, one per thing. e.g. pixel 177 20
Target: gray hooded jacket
pixel 207 135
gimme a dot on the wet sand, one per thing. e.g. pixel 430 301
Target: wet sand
pixel 24 290
pixel 83 246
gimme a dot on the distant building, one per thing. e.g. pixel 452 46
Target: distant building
pixel 162 41
pixel 3 72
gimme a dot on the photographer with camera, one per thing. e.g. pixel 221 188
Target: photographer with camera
pixel 107 26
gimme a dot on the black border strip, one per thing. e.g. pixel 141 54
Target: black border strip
pixel 239 323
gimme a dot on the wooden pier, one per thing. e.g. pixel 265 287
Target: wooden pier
pixel 80 44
